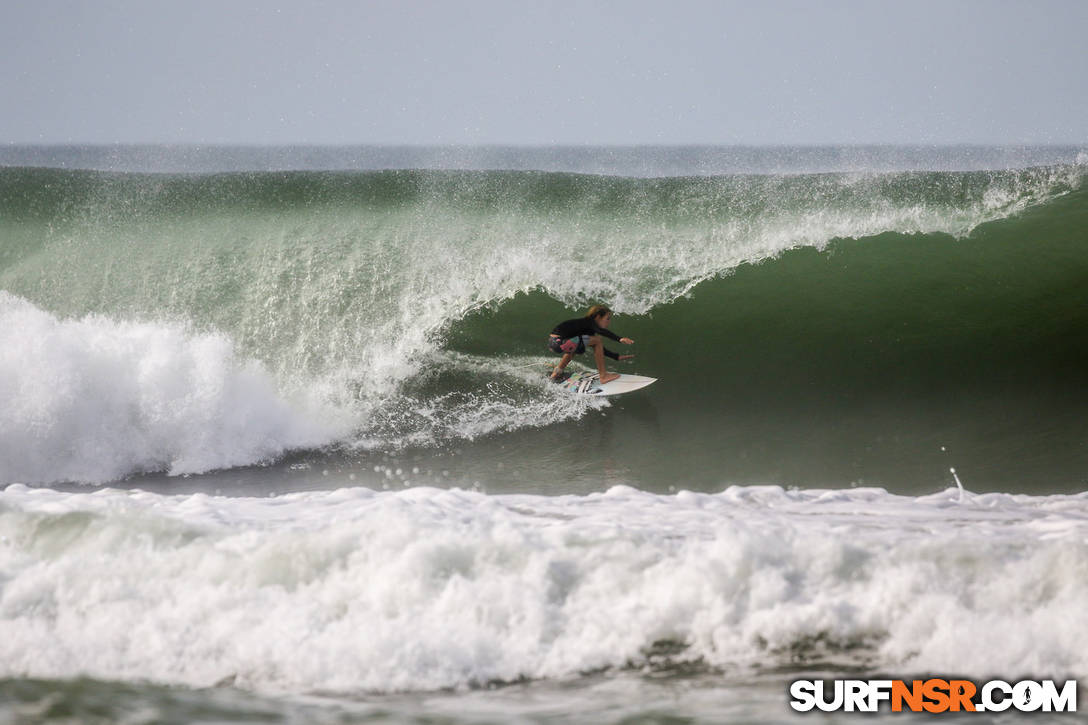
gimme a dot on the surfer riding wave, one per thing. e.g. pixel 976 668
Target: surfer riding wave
pixel 571 337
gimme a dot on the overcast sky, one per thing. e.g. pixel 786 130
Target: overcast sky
pixel 544 72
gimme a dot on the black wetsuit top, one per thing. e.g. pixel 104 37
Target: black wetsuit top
pixel 585 326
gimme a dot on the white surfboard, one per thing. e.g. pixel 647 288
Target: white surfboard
pixel 589 383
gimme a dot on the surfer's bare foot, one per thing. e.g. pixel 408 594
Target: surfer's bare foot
pixel 608 377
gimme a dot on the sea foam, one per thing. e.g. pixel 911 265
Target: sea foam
pixel 362 591
pixel 95 399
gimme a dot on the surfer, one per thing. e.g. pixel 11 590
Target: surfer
pixel 570 338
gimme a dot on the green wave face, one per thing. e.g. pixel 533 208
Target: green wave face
pixel 798 323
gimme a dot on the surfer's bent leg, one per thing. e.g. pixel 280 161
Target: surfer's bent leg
pixel 598 355
pixel 567 357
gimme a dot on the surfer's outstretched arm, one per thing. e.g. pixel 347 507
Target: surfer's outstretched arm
pixel 616 355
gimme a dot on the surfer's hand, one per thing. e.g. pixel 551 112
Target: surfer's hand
pixel 627 341
pixel 626 357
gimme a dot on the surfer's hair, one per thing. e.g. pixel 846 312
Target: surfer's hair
pixel 598 311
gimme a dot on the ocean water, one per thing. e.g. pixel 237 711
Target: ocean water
pixel 276 443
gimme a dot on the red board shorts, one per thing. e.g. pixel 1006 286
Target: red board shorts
pixel 572 345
